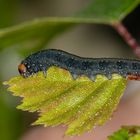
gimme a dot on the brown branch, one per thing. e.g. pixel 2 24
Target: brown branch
pixel 130 40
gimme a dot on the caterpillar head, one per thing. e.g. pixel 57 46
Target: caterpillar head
pixel 23 70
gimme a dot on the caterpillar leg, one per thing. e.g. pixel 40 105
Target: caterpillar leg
pixel 74 76
pixel 45 73
pixel 133 77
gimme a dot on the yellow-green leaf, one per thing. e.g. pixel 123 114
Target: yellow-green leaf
pixel 126 133
pixel 81 104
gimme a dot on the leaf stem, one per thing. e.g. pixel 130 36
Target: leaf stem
pixel 127 36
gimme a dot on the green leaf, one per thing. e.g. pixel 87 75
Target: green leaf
pixel 126 133
pixel 108 11
pixel 120 135
pixel 98 11
pixel 136 137
pixel 81 104
pixel 34 30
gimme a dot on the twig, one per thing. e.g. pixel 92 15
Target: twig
pixel 126 35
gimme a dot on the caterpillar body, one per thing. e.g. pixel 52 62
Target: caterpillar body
pixel 78 66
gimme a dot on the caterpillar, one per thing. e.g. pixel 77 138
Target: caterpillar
pixel 77 66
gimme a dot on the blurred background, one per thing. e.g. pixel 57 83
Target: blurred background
pixel 88 40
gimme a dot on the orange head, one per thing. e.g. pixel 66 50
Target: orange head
pixel 22 69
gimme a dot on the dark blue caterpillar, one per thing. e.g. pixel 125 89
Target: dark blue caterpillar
pixel 78 66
